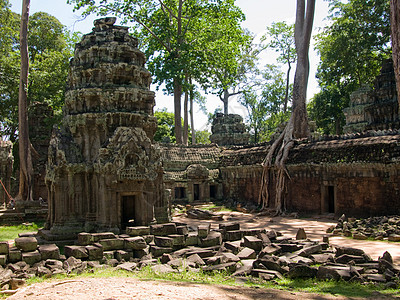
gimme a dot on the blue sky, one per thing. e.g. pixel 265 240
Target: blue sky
pixel 259 15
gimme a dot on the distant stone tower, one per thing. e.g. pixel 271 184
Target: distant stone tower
pixel 229 130
pixel 103 171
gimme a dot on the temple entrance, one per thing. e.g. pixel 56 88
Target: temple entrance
pixel 328 199
pixel 196 192
pixel 213 192
pixel 128 211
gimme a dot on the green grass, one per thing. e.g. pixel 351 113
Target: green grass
pixel 10 232
pixel 214 207
pixel 337 288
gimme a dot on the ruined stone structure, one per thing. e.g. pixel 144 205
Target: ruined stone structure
pixel 6 166
pixel 104 172
pixel 358 175
pixel 191 173
pixel 374 109
pixel 229 130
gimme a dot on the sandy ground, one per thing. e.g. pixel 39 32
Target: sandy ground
pixel 130 288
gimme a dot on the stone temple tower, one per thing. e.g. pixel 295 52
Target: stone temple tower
pixel 104 171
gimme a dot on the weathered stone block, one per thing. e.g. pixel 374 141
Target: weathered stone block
pixel 253 243
pixel 183 230
pixel 192 239
pixel 112 244
pixel 163 241
pixel 148 238
pixel 79 252
pixel 233 235
pixel 178 240
pixel 233 246
pixel 229 226
pixel 123 255
pixel 302 271
pixel 163 229
pixel 394 238
pixel 228 267
pixel 270 250
pixel 301 234
pixel 84 239
pixel 142 252
pixel 3 260
pixel 203 230
pixel 135 243
pixel 334 273
pixel 157 251
pixel 213 239
pixel 307 251
pixel 108 254
pixel 346 258
pixel 94 252
pixel 14 255
pixel 247 253
pixel 4 247
pixel 26 244
pixel 266 274
pixel 127 266
pixel 102 236
pixel 49 251
pixel 31 258
pixel 229 257
pixel 138 230
pixel 196 259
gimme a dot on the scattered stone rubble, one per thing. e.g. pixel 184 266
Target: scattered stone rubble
pixel 377 228
pixel 174 247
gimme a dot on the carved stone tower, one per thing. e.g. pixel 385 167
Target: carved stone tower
pixel 104 171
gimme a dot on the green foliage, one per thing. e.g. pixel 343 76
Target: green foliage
pixel 165 126
pixel 50 48
pixel 202 137
pixel 10 232
pixel 352 49
pixel 265 106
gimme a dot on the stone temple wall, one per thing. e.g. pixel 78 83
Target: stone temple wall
pixel 229 130
pixel 104 172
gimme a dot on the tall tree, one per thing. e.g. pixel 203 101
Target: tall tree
pixel 395 31
pixel 297 126
pixel 169 31
pixel 25 156
pixel 281 37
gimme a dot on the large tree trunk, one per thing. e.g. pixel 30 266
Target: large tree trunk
pixel 186 120
pixel 297 126
pixel 191 96
pixel 225 101
pixel 26 167
pixel 395 26
pixel 177 110
pixel 285 104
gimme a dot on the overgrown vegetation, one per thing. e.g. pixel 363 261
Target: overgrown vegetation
pixel 338 288
pixel 10 232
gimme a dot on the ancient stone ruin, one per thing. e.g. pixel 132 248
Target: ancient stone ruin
pixel 104 172
pixel 229 130
pixel 374 109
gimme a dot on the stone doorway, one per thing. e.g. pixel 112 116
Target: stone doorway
pixel 196 192
pixel 128 210
pixel 328 200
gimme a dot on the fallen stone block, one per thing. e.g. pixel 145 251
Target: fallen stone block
pixel 322 258
pixel 375 278
pixel 307 251
pixel 141 253
pixel 43 272
pixel 49 251
pixel 203 253
pixel 79 252
pixel 266 274
pixel 203 230
pixel 138 230
pixel 333 273
pixel 135 243
pixel 127 266
pixel 26 244
pixel 157 251
pixel 245 268
pixel 253 242
pixel 229 257
pixel 264 237
pixel 14 255
pixel 102 236
pixel 84 239
pixel 272 234
pixel 247 253
pixel 233 246
pixel 3 260
pixel 289 247
pixel 270 250
pixel 346 258
pixel 163 241
pixel 213 260
pixel 229 226
pixel 108 254
pixel 178 240
pixel 196 259
pixel 182 230
pixel 112 244
pixel 32 257
pixel 301 234
pixel 4 247
pixel 122 255
pixel 302 271
pixel 233 235
pixel 192 239
pixel 17 283
pixel 269 264
pixel 163 229
pixel 394 238
pixel 349 250
pixel 228 267
pixel 163 269
pixel 213 239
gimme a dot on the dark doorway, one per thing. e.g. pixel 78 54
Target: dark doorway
pixel 128 211
pixel 196 192
pixel 213 192
pixel 331 199
pixel 180 193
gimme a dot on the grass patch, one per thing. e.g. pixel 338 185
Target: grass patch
pixel 214 207
pixel 10 232
pixel 337 288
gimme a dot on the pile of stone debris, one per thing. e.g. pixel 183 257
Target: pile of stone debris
pixel 174 247
pixel 377 228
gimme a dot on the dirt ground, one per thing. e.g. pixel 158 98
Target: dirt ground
pixel 130 288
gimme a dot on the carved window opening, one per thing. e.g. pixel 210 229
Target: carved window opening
pixel 180 193
pixel 213 192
